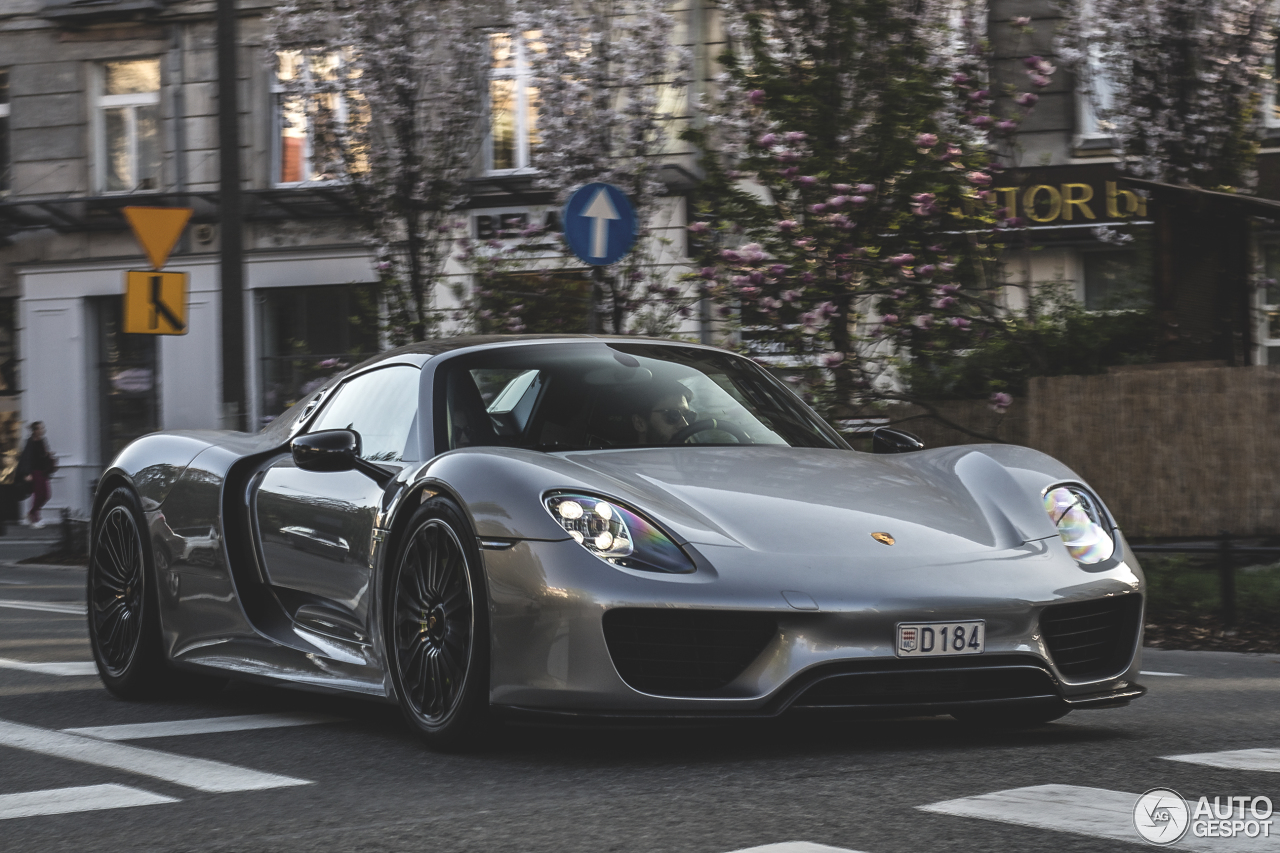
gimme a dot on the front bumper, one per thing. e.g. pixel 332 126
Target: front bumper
pixel 550 654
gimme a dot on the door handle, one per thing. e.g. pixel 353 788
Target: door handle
pixel 335 542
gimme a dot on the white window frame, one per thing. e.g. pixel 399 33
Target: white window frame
pixel 103 102
pixel 278 128
pixel 521 73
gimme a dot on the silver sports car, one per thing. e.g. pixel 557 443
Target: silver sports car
pixel 565 527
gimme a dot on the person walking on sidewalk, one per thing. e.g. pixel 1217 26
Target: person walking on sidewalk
pixel 36 466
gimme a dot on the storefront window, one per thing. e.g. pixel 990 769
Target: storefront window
pixel 1116 281
pixel 309 334
pixel 128 396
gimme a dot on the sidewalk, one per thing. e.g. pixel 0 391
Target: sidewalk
pixel 19 543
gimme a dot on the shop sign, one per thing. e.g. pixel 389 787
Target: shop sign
pixel 1075 195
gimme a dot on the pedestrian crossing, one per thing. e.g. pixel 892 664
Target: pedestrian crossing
pixel 1104 814
pixel 100 746
pixel 1094 812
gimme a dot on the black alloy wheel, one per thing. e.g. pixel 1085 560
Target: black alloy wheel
pixel 116 595
pixel 438 631
pixel 124 626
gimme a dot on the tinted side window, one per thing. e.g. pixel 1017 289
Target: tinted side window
pixel 383 407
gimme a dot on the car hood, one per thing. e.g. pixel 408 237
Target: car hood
pixel 826 502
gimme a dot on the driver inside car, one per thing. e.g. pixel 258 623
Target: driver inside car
pixel 660 410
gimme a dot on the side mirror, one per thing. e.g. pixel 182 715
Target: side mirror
pixel 889 440
pixel 336 450
pixel 329 450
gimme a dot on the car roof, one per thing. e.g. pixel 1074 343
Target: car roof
pixel 423 351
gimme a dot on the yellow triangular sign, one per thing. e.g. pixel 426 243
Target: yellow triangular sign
pixel 157 229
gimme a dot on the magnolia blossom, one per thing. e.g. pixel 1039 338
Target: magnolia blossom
pixel 1000 402
pixel 926 140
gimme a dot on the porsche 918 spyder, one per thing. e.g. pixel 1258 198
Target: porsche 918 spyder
pixel 610 528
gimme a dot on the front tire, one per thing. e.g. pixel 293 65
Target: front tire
pixel 437 628
pixel 123 610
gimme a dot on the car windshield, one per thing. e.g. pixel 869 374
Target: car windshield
pixel 596 395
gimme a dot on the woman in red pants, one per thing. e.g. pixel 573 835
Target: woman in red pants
pixel 36 466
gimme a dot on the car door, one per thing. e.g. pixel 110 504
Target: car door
pixel 314 529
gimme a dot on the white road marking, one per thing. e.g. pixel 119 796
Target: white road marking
pixel 1083 811
pixel 795 847
pixel 1260 760
pixel 86 798
pixel 1168 674
pixel 209 725
pixel 73 667
pixel 46 606
pixel 198 773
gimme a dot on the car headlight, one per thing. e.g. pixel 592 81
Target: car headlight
pixel 617 534
pixel 1081 524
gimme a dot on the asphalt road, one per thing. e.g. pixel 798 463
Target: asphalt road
pixel 360 781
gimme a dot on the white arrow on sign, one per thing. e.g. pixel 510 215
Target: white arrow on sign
pixel 600 211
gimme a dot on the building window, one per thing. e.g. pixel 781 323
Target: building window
pixel 1116 281
pixel 4 131
pixel 310 333
pixel 128 396
pixel 513 101
pixel 304 150
pixel 1100 98
pixel 1269 298
pixel 128 125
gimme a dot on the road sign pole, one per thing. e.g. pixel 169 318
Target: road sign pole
pixel 229 223
pixel 593 301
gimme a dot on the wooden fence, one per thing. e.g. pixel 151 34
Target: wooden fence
pixel 1181 451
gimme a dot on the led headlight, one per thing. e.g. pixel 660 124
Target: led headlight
pixel 1081 524
pixel 617 534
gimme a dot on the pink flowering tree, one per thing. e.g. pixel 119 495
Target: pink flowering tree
pixel 1177 84
pixel 848 221
pixel 391 95
pixel 611 87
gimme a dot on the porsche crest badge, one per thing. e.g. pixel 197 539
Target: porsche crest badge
pixel 882 537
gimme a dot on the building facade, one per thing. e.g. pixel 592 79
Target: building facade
pixel 113 103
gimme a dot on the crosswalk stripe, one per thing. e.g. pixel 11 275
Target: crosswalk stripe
pixel 198 773
pixel 208 725
pixel 1082 811
pixel 1261 760
pixel 795 847
pixel 45 606
pixel 85 798
pixel 74 667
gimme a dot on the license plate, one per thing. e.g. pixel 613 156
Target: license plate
pixel 941 639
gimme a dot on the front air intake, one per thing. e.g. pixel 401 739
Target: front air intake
pixel 672 652
pixel 1092 639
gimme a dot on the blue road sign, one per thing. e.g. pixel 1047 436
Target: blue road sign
pixel 599 224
